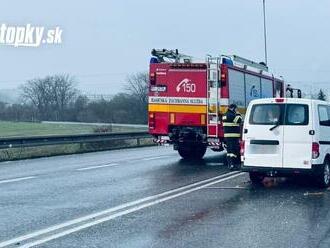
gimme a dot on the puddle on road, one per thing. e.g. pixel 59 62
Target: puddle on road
pixel 314 194
pixel 214 164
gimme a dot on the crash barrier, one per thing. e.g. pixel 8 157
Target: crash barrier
pixel 22 142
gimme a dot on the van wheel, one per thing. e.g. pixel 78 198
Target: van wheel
pixel 256 178
pixel 192 153
pixel 323 177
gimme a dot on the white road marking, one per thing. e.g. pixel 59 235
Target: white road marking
pixel 97 167
pixel 237 187
pixel 130 160
pixel 153 158
pixel 124 212
pixel 111 210
pixel 16 179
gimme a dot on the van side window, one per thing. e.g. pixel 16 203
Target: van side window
pixel 323 115
pixel 280 114
pixel 296 114
pixel 265 114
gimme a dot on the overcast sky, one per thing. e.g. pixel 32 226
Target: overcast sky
pixel 103 41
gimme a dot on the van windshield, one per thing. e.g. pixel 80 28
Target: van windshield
pixel 279 114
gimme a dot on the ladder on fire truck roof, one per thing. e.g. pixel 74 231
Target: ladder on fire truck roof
pixel 213 72
pixel 247 62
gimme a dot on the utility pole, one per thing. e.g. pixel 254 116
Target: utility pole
pixel 265 30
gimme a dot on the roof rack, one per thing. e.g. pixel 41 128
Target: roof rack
pixel 160 54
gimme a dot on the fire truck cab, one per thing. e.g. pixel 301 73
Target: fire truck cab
pixel 187 99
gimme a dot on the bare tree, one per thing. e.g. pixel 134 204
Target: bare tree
pixel 63 92
pixel 137 85
pixel 50 95
pixel 38 92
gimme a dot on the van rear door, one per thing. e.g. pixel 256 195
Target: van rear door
pixel 297 139
pixel 264 135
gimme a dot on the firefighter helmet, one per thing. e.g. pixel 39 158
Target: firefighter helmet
pixel 232 106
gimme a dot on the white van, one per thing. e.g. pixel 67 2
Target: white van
pixel 287 136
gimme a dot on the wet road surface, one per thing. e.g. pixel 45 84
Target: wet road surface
pixel 149 197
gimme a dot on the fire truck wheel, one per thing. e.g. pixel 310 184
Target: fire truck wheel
pixel 192 152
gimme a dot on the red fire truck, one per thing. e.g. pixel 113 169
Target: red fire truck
pixel 187 99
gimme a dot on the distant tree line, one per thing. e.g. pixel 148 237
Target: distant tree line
pixel 56 98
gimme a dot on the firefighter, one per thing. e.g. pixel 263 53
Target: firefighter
pixel 232 133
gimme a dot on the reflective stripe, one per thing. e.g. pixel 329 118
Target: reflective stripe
pixel 237 118
pixel 231 155
pixel 232 135
pixel 177 108
pixel 230 124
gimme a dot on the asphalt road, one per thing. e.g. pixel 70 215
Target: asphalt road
pixel 148 197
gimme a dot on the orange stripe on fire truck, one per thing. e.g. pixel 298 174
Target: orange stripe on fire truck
pixel 173 108
pixel 188 109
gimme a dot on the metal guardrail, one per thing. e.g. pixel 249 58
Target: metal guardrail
pixel 20 142
pixel 97 124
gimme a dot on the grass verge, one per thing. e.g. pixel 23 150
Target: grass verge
pixel 24 129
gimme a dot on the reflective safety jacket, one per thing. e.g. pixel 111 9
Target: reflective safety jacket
pixel 231 123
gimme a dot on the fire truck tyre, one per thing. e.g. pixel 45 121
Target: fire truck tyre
pixel 199 152
pixel 323 177
pixel 192 152
pixel 185 153
pixel 256 178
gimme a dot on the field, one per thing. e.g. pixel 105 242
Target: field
pixel 20 129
